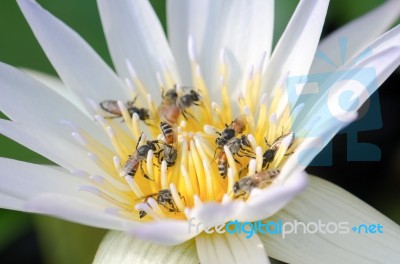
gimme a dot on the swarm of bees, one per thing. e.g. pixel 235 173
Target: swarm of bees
pixel 232 137
pixel 240 146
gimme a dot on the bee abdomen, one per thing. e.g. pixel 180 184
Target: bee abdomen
pixel 222 168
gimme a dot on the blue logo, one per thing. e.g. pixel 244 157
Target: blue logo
pixel 327 96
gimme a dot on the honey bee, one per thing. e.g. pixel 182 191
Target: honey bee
pixel 173 105
pixel 236 147
pixel 260 180
pixel 236 127
pixel 187 100
pixel 270 153
pixel 164 198
pixel 135 160
pixel 111 106
pixel 168 109
pixel 170 153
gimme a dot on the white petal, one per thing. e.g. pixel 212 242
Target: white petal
pixel 296 48
pixel 264 203
pixel 24 180
pixel 74 209
pixel 242 28
pixel 356 36
pixel 58 86
pixel 230 248
pixel 80 68
pixel 11 202
pixel 383 60
pixel 166 232
pixel 212 214
pixel 28 101
pixel 57 149
pixel 365 74
pixel 329 203
pixel 134 33
pixel 314 142
pixel 118 247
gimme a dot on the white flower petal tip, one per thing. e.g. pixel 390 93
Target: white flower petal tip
pixel 130 24
pixel 379 20
pixel 213 214
pixel 77 64
pixel 118 247
pixel 73 209
pixel 325 202
pixel 230 248
pixel 165 232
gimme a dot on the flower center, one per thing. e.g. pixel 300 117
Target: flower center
pixel 188 149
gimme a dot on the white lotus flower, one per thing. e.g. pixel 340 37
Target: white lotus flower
pixel 222 49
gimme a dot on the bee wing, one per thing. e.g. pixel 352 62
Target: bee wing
pixel 110 106
pixel 264 178
pixel 129 165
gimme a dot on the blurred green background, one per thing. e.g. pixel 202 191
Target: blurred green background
pixel 27 238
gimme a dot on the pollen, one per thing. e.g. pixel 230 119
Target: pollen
pixel 184 148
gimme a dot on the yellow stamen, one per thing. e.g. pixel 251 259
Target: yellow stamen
pixel 212 153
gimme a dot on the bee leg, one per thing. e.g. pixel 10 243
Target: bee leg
pixel 215 152
pixel 144 174
pixel 266 141
pixel 182 197
pixel 113 117
pixel 158 155
pixel 240 172
pixel 110 117
pixel 288 154
pixel 237 162
pixel 246 151
pixel 186 113
pixel 149 124
pixel 134 100
pixel 137 144
pixel 245 155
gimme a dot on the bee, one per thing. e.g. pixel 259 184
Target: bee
pixel 236 127
pixel 260 180
pixel 170 153
pixel 187 100
pixel 173 105
pixel 111 106
pixel 135 160
pixel 168 109
pixel 236 147
pixel 163 198
pixel 270 153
